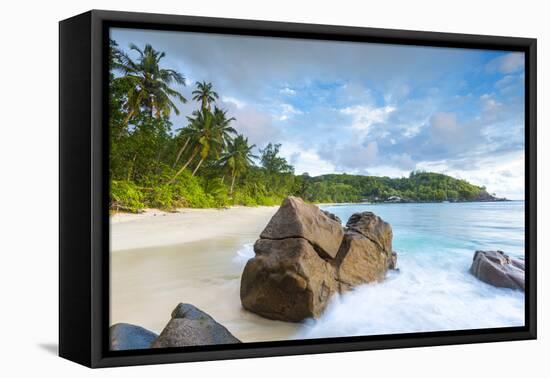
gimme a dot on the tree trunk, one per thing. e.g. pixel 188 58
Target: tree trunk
pixel 128 117
pixel 232 184
pixel 184 166
pixel 197 167
pixel 131 169
pixel 180 152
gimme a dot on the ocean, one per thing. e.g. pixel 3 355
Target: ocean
pixel 433 289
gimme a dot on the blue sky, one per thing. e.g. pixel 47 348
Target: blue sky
pixel 362 108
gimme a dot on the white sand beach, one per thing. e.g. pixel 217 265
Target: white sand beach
pixel 195 256
pixel 154 228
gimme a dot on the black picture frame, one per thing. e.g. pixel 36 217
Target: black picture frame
pixel 84 188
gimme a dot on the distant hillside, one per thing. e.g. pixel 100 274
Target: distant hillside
pixel 418 187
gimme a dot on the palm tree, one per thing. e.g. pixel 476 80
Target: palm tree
pixel 238 158
pixel 204 138
pixel 223 126
pixel 186 134
pixel 205 94
pixel 209 134
pixel 148 83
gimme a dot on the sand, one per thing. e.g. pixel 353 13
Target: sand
pixel 154 228
pixel 192 256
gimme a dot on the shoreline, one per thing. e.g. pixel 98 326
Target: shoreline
pixel 157 228
pixel 123 216
pixel 195 256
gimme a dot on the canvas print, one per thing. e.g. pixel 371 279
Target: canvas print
pixel 266 189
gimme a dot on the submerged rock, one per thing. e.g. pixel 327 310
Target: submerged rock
pixel 297 219
pixel 190 326
pixel 393 261
pixel 498 269
pixel 297 266
pixel 125 336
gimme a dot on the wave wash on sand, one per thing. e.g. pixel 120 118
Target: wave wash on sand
pixel 197 256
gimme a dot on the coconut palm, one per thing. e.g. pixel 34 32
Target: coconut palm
pixel 238 158
pixel 149 84
pixel 205 94
pixel 186 135
pixel 208 134
pixel 204 138
pixel 222 124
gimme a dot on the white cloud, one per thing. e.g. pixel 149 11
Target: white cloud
pixel 287 91
pixel 364 116
pixel 444 127
pixel 397 92
pixel 306 160
pixel 287 111
pixel 489 104
pixel 508 63
pixel 404 161
pixel 354 157
pixel 511 84
pixel 238 103
pixel 252 122
pixel 491 108
pixel 501 174
pixel 505 81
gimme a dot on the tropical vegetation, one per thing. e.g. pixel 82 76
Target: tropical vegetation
pixel 205 162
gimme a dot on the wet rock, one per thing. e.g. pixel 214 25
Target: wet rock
pixel 498 269
pixel 124 336
pixel 297 266
pixel 360 261
pixel 287 280
pixel 297 219
pixel 190 326
pixel 332 216
pixel 373 227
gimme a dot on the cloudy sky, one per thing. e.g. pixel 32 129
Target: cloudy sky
pixel 362 108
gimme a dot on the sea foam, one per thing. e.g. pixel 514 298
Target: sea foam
pixel 433 289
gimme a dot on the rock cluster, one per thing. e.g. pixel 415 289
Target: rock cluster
pixel 188 326
pixel 304 256
pixel 498 269
pixel 124 336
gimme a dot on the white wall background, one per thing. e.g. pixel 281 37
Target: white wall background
pixel 29 185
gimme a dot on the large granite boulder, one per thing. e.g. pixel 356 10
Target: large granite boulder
pixel 297 219
pixel 373 227
pixel 287 280
pixel 125 336
pixel 498 269
pixel 360 261
pixel 304 256
pixel 190 326
pixel 332 216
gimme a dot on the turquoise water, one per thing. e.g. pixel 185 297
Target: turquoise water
pixel 433 289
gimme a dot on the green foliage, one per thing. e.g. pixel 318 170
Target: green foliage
pixel 272 162
pixel 126 196
pixel 418 187
pixel 207 164
pixel 148 85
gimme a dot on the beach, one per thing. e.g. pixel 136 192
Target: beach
pixel 196 256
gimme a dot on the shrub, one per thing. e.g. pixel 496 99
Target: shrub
pixel 126 196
